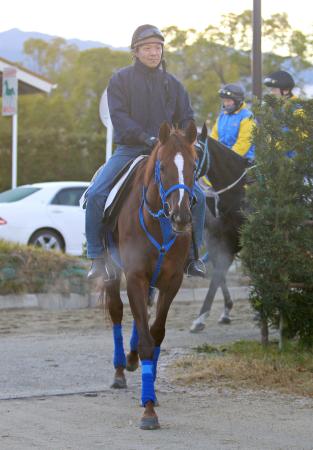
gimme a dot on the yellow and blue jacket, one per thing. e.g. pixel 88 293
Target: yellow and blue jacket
pixel 235 131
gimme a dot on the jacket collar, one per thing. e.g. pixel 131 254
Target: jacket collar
pixel 243 106
pixel 145 69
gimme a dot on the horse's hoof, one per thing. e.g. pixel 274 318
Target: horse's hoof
pixel 149 423
pixel 224 321
pixel 132 362
pixel 197 327
pixel 155 404
pixel 119 383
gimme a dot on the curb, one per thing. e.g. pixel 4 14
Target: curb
pixel 76 301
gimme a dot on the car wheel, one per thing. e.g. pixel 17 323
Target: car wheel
pixel 47 240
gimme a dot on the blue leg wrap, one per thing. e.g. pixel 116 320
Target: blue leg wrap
pixel 134 339
pixel 147 388
pixel 119 359
pixel 156 355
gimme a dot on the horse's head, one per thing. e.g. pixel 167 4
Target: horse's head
pixel 175 167
pixel 224 166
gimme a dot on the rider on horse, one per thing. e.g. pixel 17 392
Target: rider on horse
pixel 235 123
pixel 281 84
pixel 140 97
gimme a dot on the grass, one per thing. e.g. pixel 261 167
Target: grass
pixel 246 364
pixel 29 269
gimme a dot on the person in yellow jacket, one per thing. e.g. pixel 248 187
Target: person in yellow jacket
pixel 233 127
pixel 281 84
pixel 235 123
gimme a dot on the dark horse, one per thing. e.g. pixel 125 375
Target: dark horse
pixel 153 235
pixel 224 217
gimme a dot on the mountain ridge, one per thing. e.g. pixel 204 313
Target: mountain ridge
pixel 12 41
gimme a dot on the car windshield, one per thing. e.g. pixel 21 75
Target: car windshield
pixel 14 195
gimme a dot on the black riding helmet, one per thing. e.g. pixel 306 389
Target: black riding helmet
pixel 145 32
pixel 280 79
pixel 234 92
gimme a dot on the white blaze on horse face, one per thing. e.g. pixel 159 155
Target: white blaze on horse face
pixel 179 161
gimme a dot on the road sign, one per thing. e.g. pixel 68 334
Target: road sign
pixel 9 91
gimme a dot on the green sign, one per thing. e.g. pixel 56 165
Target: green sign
pixel 9 91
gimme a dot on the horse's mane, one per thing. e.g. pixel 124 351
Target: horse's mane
pixel 226 165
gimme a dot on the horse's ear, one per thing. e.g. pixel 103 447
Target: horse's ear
pixel 191 132
pixel 164 133
pixel 204 133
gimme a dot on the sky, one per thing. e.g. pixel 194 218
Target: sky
pixel 113 22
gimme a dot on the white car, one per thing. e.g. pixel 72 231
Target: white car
pixel 47 215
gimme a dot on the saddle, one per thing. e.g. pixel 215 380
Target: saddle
pixel 118 193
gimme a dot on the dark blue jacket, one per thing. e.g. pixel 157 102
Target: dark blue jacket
pixel 140 99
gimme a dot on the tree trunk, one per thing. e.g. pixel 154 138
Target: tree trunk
pixel 264 332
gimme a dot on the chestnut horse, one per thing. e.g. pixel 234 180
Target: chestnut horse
pixel 153 238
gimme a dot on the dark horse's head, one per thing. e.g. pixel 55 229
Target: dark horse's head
pixel 224 166
pixel 174 161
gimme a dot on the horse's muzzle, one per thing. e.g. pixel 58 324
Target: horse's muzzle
pixel 181 221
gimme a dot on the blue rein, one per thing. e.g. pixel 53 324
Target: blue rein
pixel 162 215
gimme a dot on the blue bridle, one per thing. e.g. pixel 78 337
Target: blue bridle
pixel 162 215
pixel 164 211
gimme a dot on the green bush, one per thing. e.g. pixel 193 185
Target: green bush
pixel 32 270
pixel 277 237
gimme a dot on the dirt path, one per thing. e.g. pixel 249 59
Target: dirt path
pixel 50 360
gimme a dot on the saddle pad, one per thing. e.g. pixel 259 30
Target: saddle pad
pixel 115 198
pixel 116 188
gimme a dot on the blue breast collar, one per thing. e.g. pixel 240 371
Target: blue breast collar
pixel 168 235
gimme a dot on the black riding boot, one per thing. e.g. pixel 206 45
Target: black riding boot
pixel 195 268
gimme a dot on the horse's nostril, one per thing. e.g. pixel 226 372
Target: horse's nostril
pixel 181 219
pixel 176 218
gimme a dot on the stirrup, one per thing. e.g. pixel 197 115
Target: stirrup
pixel 103 268
pixel 195 268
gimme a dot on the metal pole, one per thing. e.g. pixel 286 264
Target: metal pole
pixel 14 150
pixel 257 50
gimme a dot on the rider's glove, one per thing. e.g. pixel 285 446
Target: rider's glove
pixel 149 141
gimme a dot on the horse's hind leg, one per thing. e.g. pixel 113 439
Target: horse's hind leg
pixel 132 359
pixel 115 307
pixel 228 304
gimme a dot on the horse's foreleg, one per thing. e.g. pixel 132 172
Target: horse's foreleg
pixel 228 304
pixel 157 329
pixel 137 290
pixel 115 307
pixel 199 323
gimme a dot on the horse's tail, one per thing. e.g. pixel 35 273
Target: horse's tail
pixel 103 302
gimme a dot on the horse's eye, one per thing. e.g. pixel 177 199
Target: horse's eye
pixel 161 167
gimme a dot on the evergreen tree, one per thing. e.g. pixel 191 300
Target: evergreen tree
pixel 277 237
